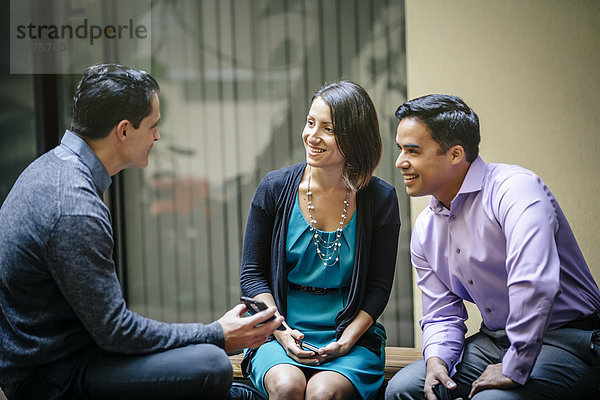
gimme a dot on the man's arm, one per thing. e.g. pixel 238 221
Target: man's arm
pixel 79 257
pixel 529 222
pixel 444 313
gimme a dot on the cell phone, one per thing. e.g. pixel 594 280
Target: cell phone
pixel 254 306
pixel 308 346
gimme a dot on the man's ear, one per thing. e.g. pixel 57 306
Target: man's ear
pixel 457 153
pixel 122 129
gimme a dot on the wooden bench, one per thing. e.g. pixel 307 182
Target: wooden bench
pixel 396 358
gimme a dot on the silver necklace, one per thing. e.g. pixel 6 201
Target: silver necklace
pixel 326 250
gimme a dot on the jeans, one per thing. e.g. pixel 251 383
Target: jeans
pixel 201 371
pixel 568 366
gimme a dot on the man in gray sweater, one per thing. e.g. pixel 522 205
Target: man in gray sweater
pixel 65 330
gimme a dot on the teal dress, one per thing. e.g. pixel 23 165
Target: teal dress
pixel 314 314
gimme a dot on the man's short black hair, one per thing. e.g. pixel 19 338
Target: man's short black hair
pixel 449 121
pixel 108 94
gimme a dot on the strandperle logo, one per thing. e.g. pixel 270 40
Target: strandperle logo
pixel 67 36
pixel 83 31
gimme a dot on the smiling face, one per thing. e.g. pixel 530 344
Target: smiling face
pixel 425 170
pixel 140 140
pixel 319 138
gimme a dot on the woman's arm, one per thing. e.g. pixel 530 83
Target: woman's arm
pixel 385 220
pixel 289 338
pixel 256 253
pixel 352 333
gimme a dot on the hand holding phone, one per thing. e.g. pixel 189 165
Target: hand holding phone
pixel 255 306
pixel 308 346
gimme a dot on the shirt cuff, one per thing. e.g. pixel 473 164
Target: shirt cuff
pixel 213 333
pixel 448 356
pixel 516 367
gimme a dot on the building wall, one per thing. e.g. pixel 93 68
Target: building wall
pixel 531 70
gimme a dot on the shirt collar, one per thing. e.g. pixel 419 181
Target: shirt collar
pixel 473 182
pixel 87 156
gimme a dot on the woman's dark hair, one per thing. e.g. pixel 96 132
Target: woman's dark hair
pixel 356 129
pixel 449 121
pixel 108 94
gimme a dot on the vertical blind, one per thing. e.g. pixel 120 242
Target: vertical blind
pixel 236 77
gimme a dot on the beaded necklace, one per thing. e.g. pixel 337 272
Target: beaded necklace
pixel 326 250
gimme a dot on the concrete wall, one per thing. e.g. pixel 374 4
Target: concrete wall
pixel 531 70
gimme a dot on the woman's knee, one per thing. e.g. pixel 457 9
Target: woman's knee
pixel 329 385
pixel 323 392
pixel 285 381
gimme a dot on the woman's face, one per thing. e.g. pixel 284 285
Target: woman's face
pixel 319 139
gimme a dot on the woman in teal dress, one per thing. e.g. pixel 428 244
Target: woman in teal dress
pixel 320 245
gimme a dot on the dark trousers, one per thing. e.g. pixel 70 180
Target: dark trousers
pixel 568 367
pixel 201 371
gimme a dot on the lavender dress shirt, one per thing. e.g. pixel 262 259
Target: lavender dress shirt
pixel 506 246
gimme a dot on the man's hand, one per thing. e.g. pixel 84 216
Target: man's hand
pixel 492 378
pixel 241 333
pixel 437 374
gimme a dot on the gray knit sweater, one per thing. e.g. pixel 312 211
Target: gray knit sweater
pixel 59 292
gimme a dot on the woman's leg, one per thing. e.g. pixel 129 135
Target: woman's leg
pixel 329 385
pixel 285 381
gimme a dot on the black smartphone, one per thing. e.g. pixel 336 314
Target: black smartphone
pixel 308 346
pixel 254 306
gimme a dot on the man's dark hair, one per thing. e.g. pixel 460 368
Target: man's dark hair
pixel 108 94
pixel 356 129
pixel 449 121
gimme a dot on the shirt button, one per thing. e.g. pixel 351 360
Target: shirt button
pixel 488 309
pixel 453 217
pixel 470 281
pixel 522 370
pixel 457 250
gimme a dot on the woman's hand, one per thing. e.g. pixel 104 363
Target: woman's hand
pixel 332 351
pixel 351 334
pixel 289 340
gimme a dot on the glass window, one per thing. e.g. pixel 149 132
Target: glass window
pixel 236 78
pixel 17 117
pixel 17 128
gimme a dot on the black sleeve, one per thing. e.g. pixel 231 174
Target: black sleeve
pixel 384 245
pixel 256 254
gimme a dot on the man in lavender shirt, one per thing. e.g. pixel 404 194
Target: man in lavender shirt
pixel 493 235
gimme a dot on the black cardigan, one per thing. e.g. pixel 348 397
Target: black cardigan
pixel 264 267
